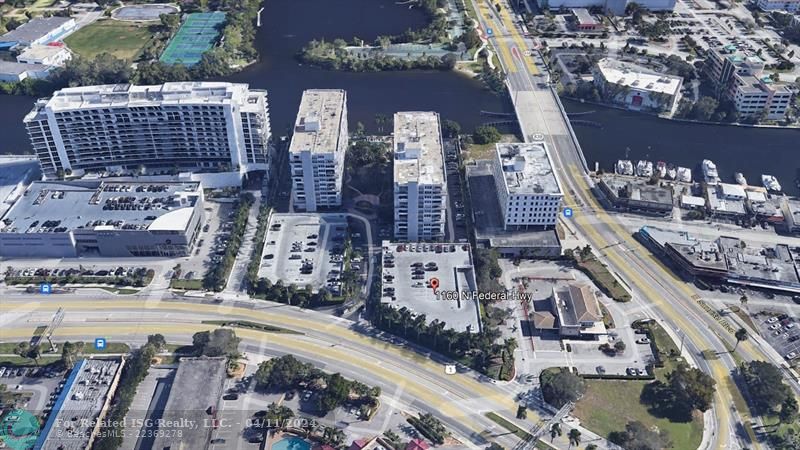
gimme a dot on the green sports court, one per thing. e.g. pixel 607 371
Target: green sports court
pixel 197 34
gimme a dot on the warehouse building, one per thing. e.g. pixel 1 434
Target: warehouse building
pixel 101 218
pixel 317 150
pixel 39 30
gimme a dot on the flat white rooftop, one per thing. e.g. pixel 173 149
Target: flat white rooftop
pixel 418 148
pixel 636 77
pixel 129 95
pixel 318 124
pixel 62 206
pixel 527 168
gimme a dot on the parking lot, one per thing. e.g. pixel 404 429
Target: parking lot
pixel 305 249
pixel 38 386
pixel 456 200
pixel 783 334
pixel 407 271
pixel 211 243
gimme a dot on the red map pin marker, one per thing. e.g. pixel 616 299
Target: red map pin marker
pixel 434 284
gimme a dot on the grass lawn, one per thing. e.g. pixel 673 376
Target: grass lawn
pixel 121 291
pixel 121 39
pixel 515 430
pixel 604 279
pixel 609 404
pixel 189 285
pixel 485 151
pixel 88 347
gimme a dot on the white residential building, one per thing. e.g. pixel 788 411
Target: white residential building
pixel 635 87
pixel 739 77
pixel 190 126
pixel 527 189
pixel 420 182
pixel 47 55
pixel 779 5
pixel 317 150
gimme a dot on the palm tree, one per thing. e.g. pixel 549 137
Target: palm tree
pixel 555 430
pixel 741 335
pixel 743 300
pixel 574 437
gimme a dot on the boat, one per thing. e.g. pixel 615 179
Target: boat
pixel 710 171
pixel 739 177
pixel 624 167
pixel 644 169
pixel 771 183
pixel 661 169
pixel 685 174
pixel 672 173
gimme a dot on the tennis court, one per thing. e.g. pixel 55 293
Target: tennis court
pixel 197 34
pixel 143 12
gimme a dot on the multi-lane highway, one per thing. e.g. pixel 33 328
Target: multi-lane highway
pixel 408 376
pixel 658 291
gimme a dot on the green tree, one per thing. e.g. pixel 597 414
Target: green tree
pixel 574 437
pixel 704 108
pixel 220 342
pixel 765 383
pixel 619 346
pixel 70 352
pixel 157 341
pixel 451 128
pixel 277 416
pixel 486 134
pixel 741 335
pixel 522 412
pixel 559 388
pixel 333 436
pixel 555 431
pixel 788 412
pixel 334 394
pixel 637 436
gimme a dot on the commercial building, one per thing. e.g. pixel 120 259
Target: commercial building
pixel 528 191
pixel 791 6
pixel 728 259
pixel 636 87
pixel 317 150
pixel 39 30
pixel 722 204
pixel 47 55
pixel 632 194
pixel 101 218
pixel 194 398
pixel 16 172
pixel 193 126
pixel 79 413
pixel 584 21
pixel 489 224
pixel 740 78
pixel 406 271
pixel 616 7
pixel 572 311
pixel 791 214
pixel 14 72
pixel 420 181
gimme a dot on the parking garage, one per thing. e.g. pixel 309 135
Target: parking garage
pixel 305 250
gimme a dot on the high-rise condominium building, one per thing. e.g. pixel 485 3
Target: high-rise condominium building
pixel 527 188
pixel 420 182
pixel 316 153
pixel 186 126
pixel 740 77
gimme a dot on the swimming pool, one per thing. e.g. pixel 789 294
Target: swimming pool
pixel 291 443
